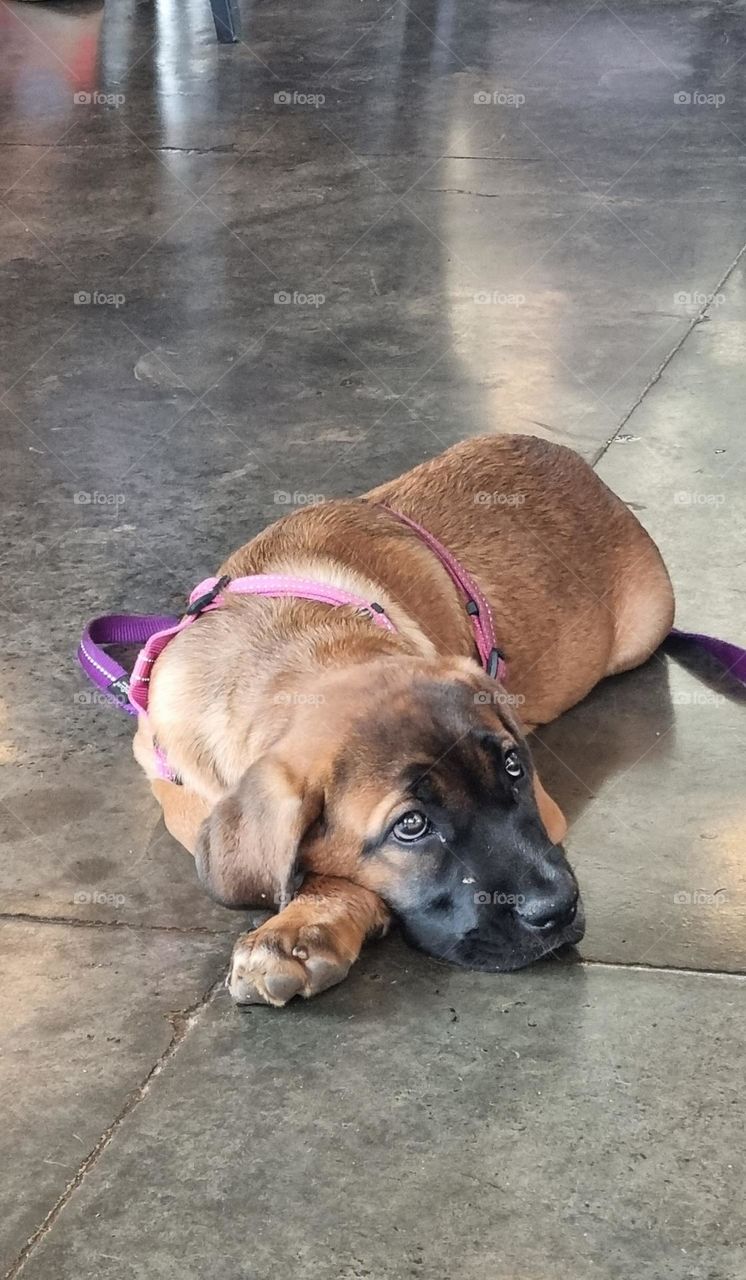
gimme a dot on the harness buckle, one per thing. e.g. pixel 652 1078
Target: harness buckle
pixel 200 604
pixel 493 662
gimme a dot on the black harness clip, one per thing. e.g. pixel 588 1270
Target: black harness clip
pixel 197 606
pixel 493 662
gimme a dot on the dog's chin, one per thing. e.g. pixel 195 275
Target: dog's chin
pixel 496 955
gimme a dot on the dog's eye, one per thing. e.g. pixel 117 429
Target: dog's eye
pixel 411 826
pixel 513 765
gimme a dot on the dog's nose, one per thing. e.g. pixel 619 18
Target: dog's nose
pixel 548 910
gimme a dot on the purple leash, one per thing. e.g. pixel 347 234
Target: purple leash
pixel 116 628
pixel 730 656
pixel 144 629
pixel 131 628
pixel 153 631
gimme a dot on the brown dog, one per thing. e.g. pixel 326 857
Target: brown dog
pixel 386 770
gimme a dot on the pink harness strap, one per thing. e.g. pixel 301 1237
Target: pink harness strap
pixel 477 605
pixel 208 595
pixel 133 694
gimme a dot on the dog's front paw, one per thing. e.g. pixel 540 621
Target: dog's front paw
pixel 281 959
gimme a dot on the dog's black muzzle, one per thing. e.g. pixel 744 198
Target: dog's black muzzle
pixel 500 922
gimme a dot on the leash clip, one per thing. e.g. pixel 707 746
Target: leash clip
pixel 197 606
pixel 119 689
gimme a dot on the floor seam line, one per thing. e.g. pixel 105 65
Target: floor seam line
pixel 124 145
pixel 28 917
pixel 657 375
pixel 640 967
pixel 181 1023
pixel 233 150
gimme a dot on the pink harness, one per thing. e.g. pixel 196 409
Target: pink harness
pixel 209 595
pixel 131 693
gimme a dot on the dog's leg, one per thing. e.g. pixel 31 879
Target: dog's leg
pixel 183 811
pixel 643 606
pixel 309 945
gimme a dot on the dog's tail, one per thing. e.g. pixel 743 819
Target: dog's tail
pixel 718 663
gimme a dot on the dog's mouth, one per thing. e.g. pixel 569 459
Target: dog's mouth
pixel 517 948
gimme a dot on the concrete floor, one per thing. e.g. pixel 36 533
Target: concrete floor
pixel 570 1122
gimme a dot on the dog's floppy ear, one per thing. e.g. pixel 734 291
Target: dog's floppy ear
pixel 247 849
pixel 552 817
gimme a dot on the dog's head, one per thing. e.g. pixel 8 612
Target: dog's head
pixel 412 778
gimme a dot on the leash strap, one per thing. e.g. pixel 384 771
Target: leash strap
pixel 477 605
pixel 116 628
pixel 731 656
pixel 208 595
pixel 154 631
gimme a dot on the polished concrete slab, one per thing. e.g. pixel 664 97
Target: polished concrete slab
pixel 420 1121
pixel 647 769
pixel 86 1014
pixel 237 277
pixel 651 762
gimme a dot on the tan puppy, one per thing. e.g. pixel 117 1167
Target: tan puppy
pixel 386 770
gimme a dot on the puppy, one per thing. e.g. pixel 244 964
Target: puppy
pixel 341 771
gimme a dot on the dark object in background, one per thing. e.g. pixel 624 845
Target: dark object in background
pixel 224 17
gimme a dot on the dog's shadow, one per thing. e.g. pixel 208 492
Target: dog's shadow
pixel 623 720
